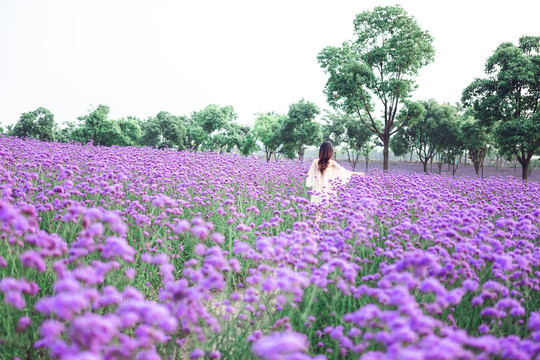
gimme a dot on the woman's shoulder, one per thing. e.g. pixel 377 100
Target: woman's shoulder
pixel 332 163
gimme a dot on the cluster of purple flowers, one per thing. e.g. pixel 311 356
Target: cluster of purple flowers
pixel 130 253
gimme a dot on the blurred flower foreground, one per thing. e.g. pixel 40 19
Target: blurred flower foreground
pixel 137 253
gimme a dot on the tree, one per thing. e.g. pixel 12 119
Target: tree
pixel 267 130
pixel 434 132
pixel 448 137
pixel 233 135
pixel 389 50
pixel 164 131
pixel 131 131
pixel 173 130
pixel 509 97
pixel 216 122
pixel 475 138
pixel 299 129
pixel 37 124
pixel 151 133
pixel 93 124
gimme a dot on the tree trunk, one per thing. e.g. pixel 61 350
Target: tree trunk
pixel 367 163
pixel 386 144
pixel 424 163
pixel 525 171
pixel 431 165
pixel 439 165
pixel 410 159
pixel 497 162
pixel 476 167
pixel 455 167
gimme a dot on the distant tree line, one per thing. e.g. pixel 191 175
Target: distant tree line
pixel 213 128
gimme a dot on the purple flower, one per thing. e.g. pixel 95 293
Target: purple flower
pixel 182 226
pixel 118 247
pixel 130 273
pixel 534 321
pixel 23 323
pixel 280 344
pixel 33 259
pixel 196 353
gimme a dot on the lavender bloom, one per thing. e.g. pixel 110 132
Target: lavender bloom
pixel 33 259
pixel 118 247
pixel 278 345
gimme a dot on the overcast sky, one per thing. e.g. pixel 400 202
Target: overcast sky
pixel 142 57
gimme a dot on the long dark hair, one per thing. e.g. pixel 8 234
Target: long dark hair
pixel 326 151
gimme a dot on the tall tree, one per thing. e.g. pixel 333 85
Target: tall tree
pixel 267 130
pixel 300 129
pixel 37 124
pixel 509 97
pixel 389 50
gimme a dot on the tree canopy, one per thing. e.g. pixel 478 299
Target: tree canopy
pixel 299 128
pixel 37 124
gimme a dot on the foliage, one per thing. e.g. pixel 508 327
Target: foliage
pixel 508 98
pixel 249 144
pixel 267 130
pixel 38 124
pixel 195 134
pixel 350 131
pixel 221 132
pixel 475 138
pixel 388 51
pixel 434 132
pixel 164 131
pixel 334 129
pixel 94 125
pixel 299 128
pixel 130 130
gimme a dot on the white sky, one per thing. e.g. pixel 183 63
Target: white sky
pixel 142 57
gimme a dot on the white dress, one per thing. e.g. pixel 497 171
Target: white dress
pixel 325 185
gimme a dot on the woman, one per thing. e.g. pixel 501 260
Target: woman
pixel 325 174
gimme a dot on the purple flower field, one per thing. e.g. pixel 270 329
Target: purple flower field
pixel 136 253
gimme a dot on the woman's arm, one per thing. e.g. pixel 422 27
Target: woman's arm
pixel 359 173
